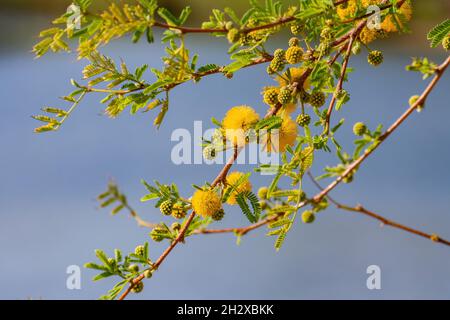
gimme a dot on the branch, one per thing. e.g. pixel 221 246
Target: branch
pixel 439 72
pixel 266 58
pixel 360 209
pixel 180 238
pixel 160 260
pixel 353 37
pixel 222 175
pixel 239 231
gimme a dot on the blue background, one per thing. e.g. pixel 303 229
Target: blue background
pixel 49 218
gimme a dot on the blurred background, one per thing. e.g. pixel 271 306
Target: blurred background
pixel 49 218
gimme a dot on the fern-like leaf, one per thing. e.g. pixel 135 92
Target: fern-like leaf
pixel 438 33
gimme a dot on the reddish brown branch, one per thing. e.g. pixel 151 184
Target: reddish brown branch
pixel 239 231
pixel 360 209
pixel 354 35
pixel 163 256
pixel 439 71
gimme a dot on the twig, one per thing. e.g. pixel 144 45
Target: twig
pixel 180 238
pixel 239 231
pixel 163 256
pixel 420 101
pixel 353 37
pixel 360 209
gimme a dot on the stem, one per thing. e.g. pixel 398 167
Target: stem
pixel 360 209
pixel 353 37
pixel 439 72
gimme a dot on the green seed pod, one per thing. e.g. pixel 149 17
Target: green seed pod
pixel 326 33
pixel 271 96
pixel 294 42
pixel 381 34
pixel 134 268
pixel 324 48
pixel 229 25
pixel 157 233
pixel 303 120
pixel 356 49
pixel 245 39
pixel 296 28
pixel 178 211
pixel 375 58
pixel 218 215
pixel 413 100
pixel 263 204
pixel 176 226
pixel 166 207
pixel 148 274
pixel 139 250
pixel 359 129
pixel 269 70
pixel 317 99
pixel 262 192
pixel 278 54
pixel 294 55
pixel 446 43
pixel 308 216
pixel 285 95
pixel 277 65
pixel 341 94
pixel 138 287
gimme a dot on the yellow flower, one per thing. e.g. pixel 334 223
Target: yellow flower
pixel 237 122
pixel 296 76
pixel 290 107
pixel 245 186
pixel 366 3
pixel 389 23
pixel 347 10
pixel 206 203
pixel 278 140
pixel 367 35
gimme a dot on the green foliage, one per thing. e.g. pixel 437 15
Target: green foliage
pixel 255 211
pixel 438 33
pixel 422 65
pixel 307 81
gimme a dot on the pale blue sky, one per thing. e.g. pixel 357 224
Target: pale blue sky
pixel 49 218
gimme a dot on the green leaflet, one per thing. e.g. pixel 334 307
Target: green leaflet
pixel 438 33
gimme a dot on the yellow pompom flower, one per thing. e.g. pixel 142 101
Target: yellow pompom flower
pixel 366 3
pixel 389 23
pixel 206 203
pixel 278 140
pixel 347 10
pixel 290 107
pixel 296 76
pixel 237 122
pixel 367 35
pixel 245 186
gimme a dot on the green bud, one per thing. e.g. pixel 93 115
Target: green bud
pixel 308 216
